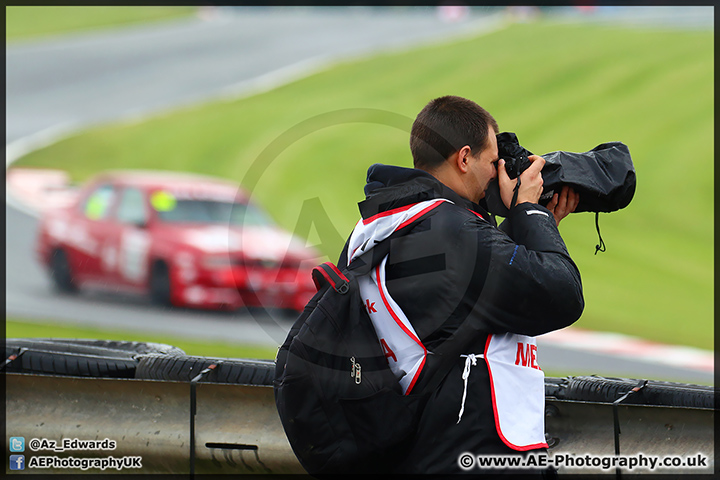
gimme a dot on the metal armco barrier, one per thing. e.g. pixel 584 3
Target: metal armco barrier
pixel 581 428
pixel 237 430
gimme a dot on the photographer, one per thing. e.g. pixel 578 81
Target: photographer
pixel 458 290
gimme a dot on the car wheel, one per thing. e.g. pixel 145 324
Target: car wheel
pixel 160 284
pixel 61 273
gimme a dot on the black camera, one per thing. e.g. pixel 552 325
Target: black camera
pixel 515 156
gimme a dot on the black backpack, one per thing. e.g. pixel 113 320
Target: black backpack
pixel 342 408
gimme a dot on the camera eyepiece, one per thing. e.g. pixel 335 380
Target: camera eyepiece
pixel 515 156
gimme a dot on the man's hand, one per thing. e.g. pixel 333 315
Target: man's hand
pixel 531 182
pixel 564 203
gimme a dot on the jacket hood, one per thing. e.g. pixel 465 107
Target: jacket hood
pixel 388 187
pixel 396 197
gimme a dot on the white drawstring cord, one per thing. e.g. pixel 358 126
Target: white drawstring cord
pixel 470 360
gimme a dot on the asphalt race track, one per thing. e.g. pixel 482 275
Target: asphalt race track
pixel 74 81
pixel 71 82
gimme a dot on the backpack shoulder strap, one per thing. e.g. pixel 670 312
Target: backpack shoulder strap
pixel 339 279
pixel 328 272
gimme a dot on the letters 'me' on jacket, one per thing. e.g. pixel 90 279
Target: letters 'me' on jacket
pixel 462 290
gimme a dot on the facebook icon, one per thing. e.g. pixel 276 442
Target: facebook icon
pixel 17 462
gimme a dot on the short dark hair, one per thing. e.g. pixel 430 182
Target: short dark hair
pixel 444 126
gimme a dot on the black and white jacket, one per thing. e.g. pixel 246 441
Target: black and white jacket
pixel 457 290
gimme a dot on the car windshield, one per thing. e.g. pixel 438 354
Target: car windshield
pixel 209 211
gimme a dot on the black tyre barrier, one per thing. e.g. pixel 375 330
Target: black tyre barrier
pixel 185 368
pixel 157 361
pixel 82 345
pixel 608 390
pixel 84 358
pixel 109 364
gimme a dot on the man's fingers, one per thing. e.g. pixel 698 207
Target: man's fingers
pixel 567 202
pixel 553 202
pixel 505 183
pixel 563 200
pixel 536 163
pixel 502 173
pixel 503 177
pixel 573 200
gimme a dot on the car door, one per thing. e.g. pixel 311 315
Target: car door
pixel 88 232
pixel 132 241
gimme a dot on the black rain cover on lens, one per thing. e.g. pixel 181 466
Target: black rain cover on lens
pixel 604 177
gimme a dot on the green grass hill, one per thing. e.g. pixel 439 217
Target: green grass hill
pixel 558 87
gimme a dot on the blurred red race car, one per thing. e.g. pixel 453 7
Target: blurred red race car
pixel 186 240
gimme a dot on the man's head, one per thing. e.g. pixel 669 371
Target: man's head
pixel 453 138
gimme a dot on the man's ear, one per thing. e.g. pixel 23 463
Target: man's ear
pixel 461 160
